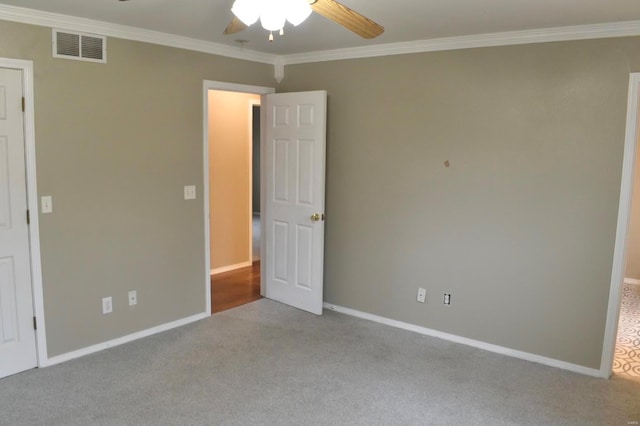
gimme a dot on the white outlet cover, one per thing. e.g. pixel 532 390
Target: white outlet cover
pixel 107 305
pixel 447 299
pixel 190 192
pixel 133 298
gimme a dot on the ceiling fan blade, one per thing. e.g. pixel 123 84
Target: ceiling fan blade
pixel 348 18
pixel 235 26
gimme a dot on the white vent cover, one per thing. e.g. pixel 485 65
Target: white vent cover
pixel 79 46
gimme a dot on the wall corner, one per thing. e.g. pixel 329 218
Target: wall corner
pixel 278 69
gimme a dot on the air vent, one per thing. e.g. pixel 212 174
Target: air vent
pixel 79 46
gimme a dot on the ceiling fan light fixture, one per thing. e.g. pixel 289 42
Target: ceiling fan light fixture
pixel 297 11
pixel 273 14
pixel 248 11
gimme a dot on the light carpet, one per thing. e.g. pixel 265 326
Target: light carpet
pixel 268 364
pixel 627 354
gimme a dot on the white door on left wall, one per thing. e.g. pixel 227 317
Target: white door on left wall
pixel 17 334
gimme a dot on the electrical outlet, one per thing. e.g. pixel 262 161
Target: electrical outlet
pixel 190 192
pixel 133 298
pixel 422 295
pixel 447 299
pixel 107 305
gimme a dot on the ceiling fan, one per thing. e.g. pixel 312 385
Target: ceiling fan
pixel 332 10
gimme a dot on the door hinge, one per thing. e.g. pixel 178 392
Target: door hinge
pixel 28 218
pixel 23 104
pixel 35 324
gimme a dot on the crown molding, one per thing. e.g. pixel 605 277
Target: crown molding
pixel 580 32
pixel 55 20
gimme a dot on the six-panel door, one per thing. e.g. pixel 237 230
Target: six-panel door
pixel 295 163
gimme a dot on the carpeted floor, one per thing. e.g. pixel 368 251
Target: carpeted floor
pixel 627 354
pixel 268 364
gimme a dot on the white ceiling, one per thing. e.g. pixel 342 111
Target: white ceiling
pixel 404 20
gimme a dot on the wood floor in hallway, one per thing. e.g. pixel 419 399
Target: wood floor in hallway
pixel 235 288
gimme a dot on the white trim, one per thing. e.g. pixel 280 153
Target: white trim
pixel 631 281
pixel 121 340
pixel 278 69
pixel 228 268
pixel 465 341
pixel 55 20
pixel 579 32
pixel 32 200
pixel 624 214
pixel 235 87
pixel 229 87
pixel 263 190
pixel 205 197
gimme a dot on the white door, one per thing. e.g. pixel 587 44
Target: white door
pixel 17 336
pixel 295 133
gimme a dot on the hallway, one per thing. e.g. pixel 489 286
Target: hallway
pixel 235 288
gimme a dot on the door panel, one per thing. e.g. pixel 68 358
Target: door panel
pixel 280 170
pixel 280 253
pixel 5 202
pixel 17 336
pixel 304 244
pixel 305 173
pixel 8 293
pixel 294 192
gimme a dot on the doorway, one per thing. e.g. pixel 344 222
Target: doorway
pixel 626 361
pixel 622 255
pixel 292 176
pixel 234 129
pixel 233 188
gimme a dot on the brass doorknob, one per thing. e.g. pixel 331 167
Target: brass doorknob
pixel 316 217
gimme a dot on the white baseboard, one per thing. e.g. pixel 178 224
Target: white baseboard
pixel 631 281
pixel 121 340
pixel 231 267
pixel 469 342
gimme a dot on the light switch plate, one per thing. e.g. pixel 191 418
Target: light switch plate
pixel 190 192
pixel 422 295
pixel 46 204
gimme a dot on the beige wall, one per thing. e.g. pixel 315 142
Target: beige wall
pixel 115 145
pixel 633 238
pixel 520 228
pixel 230 177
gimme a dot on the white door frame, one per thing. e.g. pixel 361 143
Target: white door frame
pixel 624 214
pixel 228 87
pixel 32 201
